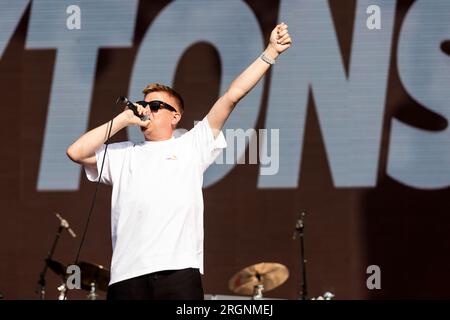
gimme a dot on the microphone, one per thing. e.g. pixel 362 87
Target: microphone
pixel 125 102
pixel 65 225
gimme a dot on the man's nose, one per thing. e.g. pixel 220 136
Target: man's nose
pixel 147 111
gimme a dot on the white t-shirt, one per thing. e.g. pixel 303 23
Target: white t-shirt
pixel 157 201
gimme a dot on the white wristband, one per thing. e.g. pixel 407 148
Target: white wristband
pixel 266 59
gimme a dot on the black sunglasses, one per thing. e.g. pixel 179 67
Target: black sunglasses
pixel 155 105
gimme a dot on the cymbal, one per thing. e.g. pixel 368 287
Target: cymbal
pixel 93 273
pixel 268 274
pixel 57 267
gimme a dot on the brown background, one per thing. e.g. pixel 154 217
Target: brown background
pixel 400 229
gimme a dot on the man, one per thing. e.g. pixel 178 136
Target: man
pixel 157 202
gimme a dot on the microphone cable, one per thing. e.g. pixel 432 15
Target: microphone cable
pixel 91 209
pixel 97 183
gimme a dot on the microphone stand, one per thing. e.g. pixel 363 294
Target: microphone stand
pixel 41 282
pixel 299 229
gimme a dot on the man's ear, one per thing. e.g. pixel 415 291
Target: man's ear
pixel 176 118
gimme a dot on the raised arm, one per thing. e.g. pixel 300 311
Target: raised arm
pixel 82 151
pixel 280 41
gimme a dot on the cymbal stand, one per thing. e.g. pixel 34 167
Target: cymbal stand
pixel 41 283
pixel 299 229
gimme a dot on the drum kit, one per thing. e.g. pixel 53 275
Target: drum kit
pixel 94 277
pixel 250 282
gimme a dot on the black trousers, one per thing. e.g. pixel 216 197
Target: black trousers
pixel 184 284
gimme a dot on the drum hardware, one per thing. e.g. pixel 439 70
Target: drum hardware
pixel 41 282
pixel 255 279
pixel 62 291
pixel 92 294
pixel 59 269
pixel 258 292
pixel 299 230
pixel 326 296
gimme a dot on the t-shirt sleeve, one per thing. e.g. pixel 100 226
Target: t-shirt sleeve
pixel 115 154
pixel 207 147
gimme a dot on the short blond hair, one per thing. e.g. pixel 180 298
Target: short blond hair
pixel 156 87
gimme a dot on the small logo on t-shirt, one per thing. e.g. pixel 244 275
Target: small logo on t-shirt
pixel 172 157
